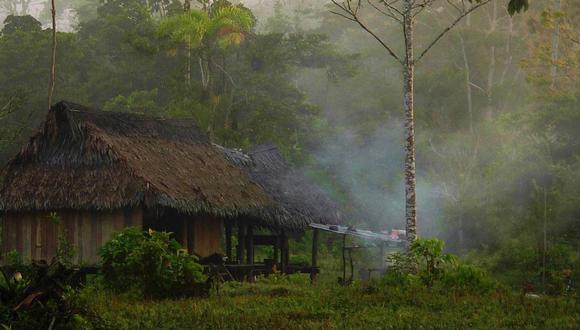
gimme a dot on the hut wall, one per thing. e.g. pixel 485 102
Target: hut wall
pixel 207 235
pixel 35 235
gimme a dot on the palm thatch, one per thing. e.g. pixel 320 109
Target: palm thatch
pixel 93 160
pixel 299 201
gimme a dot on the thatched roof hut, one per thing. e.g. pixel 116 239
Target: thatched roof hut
pixel 103 171
pixel 74 160
pixel 298 201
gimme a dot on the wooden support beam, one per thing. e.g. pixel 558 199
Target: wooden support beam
pixel 250 246
pixel 343 259
pixel 276 249
pixel 229 240
pixel 314 263
pixel 285 252
pixel 241 242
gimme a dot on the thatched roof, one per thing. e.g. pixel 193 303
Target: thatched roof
pixel 93 160
pixel 299 201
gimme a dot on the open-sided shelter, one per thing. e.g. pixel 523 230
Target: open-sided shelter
pixel 298 203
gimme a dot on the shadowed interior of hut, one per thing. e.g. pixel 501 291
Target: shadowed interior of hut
pixel 252 250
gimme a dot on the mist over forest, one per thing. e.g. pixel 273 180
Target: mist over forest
pixel 497 106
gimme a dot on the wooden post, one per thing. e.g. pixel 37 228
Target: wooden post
pixel 250 245
pixel 229 241
pixel 351 267
pixel 382 256
pixel 241 242
pixel 343 259
pixel 285 252
pixel 313 271
pixel 276 249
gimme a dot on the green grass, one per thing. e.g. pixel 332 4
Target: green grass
pixel 291 303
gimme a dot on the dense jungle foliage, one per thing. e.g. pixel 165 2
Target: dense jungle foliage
pixel 498 118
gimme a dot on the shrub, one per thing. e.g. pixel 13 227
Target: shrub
pixel 467 278
pixel 426 264
pixel 150 262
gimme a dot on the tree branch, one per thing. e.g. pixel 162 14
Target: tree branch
pixel 352 15
pixel 53 61
pixel 451 26
pixel 390 14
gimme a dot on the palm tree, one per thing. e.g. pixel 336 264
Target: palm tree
pixel 205 31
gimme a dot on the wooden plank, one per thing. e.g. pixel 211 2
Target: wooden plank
pixel 86 219
pixel 33 238
pixel 52 238
pixel 79 235
pixel 138 217
pixel 74 234
pixel 13 233
pixel 94 234
pixel 207 236
pixel 118 221
pixel 107 228
pixel 5 237
pixel 98 236
pixel 6 234
pixel 19 241
pixel 43 236
pixel 25 239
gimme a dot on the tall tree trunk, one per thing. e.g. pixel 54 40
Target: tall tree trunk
pixel 53 62
pixel 491 69
pixel 544 239
pixel 556 44
pixel 410 167
pixel 490 80
pixel 468 88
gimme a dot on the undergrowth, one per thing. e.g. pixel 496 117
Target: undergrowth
pixel 290 302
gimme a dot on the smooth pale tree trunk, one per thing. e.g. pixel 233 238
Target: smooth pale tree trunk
pixel 53 62
pixel 409 107
pixel 349 9
pixel 556 44
pixel 545 239
pixel 491 69
pixel 468 88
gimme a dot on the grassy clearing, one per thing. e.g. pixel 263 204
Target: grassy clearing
pixel 279 303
